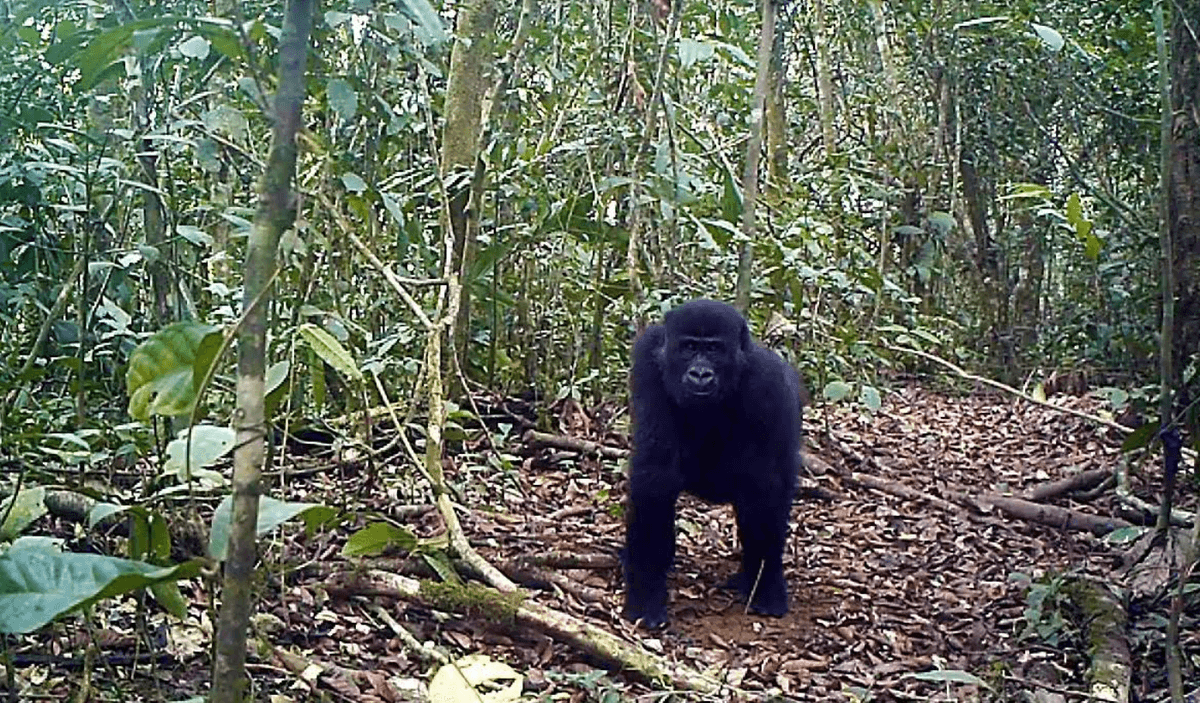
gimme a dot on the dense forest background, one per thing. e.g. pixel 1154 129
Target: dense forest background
pixel 489 200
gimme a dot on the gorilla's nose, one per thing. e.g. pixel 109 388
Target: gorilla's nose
pixel 701 379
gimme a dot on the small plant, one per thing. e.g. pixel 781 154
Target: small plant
pixel 1044 607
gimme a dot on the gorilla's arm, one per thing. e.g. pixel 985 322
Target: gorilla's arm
pixel 655 483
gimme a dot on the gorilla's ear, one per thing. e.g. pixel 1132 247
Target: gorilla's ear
pixel 745 338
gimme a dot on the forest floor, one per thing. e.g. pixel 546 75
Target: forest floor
pixel 883 587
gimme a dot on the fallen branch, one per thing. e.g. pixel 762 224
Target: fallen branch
pixel 497 607
pixel 1179 517
pixel 574 444
pixel 1111 668
pixel 1082 481
pixel 1062 518
pixel 1052 515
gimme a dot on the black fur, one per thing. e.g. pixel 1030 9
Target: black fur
pixel 718 416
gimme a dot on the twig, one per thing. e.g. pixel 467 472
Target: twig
pixel 575 444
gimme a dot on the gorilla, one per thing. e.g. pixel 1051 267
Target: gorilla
pixel 717 416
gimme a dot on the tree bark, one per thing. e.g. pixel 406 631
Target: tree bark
pixel 753 153
pixel 1183 180
pixel 467 82
pixel 824 79
pixel 276 212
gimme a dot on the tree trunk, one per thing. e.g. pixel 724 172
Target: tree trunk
pixel 466 86
pixel 824 79
pixel 777 120
pixel 276 212
pixel 753 152
pixel 1183 184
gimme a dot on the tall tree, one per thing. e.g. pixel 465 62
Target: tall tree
pixel 1183 183
pixel 753 152
pixel 467 83
pixel 276 213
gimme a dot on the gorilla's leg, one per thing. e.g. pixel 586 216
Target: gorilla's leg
pixel 762 530
pixel 649 551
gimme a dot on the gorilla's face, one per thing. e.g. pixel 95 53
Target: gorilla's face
pixel 703 352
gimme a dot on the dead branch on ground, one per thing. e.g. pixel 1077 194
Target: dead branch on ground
pixel 567 629
pixel 1061 518
pixel 574 444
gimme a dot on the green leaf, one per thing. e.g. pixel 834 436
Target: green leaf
pixel 206 356
pixel 943 222
pixel 195 235
pixel 354 183
pixel 1140 438
pixel 27 506
pixel 37 585
pixel 427 24
pixel 692 51
pixel 331 351
pixel 342 98
pixel 195 48
pixel 869 396
pixel 949 676
pixel 271 514
pixel 836 391
pixel 159 379
pixel 1050 37
pixel 1126 535
pixel 731 198
pixel 376 538
pixel 208 444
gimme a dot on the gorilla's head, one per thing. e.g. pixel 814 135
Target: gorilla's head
pixel 703 353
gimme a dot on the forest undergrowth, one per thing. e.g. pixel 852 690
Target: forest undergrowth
pixel 903 560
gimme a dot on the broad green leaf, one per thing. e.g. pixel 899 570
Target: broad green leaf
pixel 943 221
pixel 1050 37
pixel 354 183
pixel 100 511
pixel 208 444
pixel 836 391
pixel 1126 535
pixel 427 24
pixel 271 514
pixel 692 51
pixel 342 98
pixel 1140 438
pixel 1074 208
pixel 159 379
pixel 27 506
pixel 376 538
pixel 331 351
pixel 206 356
pixel 869 396
pixel 37 586
pixel 276 375
pixel 195 48
pixel 731 198
pixel 195 235
pixel 949 676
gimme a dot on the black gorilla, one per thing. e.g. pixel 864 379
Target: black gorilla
pixel 718 416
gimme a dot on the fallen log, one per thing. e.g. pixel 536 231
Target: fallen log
pixel 1111 669
pixel 497 608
